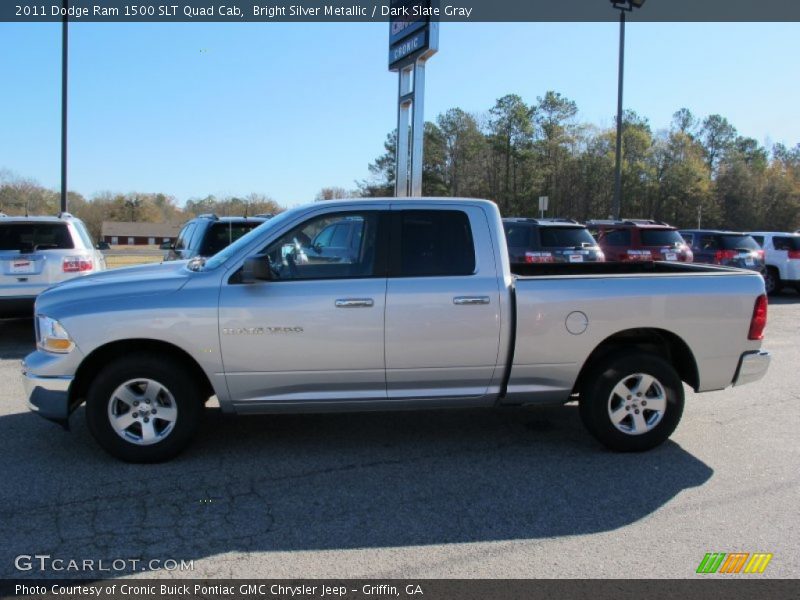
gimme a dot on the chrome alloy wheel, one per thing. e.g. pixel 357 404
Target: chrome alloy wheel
pixel 637 404
pixel 142 411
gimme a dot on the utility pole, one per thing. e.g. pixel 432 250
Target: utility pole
pixel 64 81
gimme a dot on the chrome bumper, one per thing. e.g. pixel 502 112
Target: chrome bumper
pixel 48 396
pixel 752 367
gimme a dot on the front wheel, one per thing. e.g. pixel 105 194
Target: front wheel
pixel 632 402
pixel 142 409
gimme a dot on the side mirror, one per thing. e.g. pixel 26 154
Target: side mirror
pixel 256 268
pixel 166 246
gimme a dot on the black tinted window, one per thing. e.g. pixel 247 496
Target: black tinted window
pixel 185 236
pixel 565 237
pixel 660 237
pixel 618 237
pixel 30 236
pixel 739 242
pixel 436 242
pixel 518 235
pixel 786 243
pixel 221 235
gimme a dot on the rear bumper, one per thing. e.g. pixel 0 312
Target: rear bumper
pixel 752 367
pixel 48 396
pixel 17 306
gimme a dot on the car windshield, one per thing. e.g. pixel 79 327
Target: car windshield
pixel 566 237
pixel 226 253
pixel 660 237
pixel 27 237
pixel 517 235
pixel 739 242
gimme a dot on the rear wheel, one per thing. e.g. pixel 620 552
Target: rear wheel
pixel 632 402
pixel 142 409
pixel 772 281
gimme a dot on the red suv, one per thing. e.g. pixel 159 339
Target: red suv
pixel 639 239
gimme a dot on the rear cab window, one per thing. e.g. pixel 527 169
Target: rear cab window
pixel 429 243
pixel 30 237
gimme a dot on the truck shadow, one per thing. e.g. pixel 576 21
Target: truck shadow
pixel 325 482
pixel 17 338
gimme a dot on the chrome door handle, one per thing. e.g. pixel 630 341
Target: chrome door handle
pixel 354 303
pixel 465 300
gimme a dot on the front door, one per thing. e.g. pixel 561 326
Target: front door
pixel 315 333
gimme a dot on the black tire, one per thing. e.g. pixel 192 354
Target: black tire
pixel 772 281
pixel 597 402
pixel 181 390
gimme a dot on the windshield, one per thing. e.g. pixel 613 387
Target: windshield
pixel 566 237
pixel 739 242
pixel 223 255
pixel 660 237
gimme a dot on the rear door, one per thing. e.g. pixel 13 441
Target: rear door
pixel 442 303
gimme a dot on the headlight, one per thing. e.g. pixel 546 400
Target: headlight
pixel 51 336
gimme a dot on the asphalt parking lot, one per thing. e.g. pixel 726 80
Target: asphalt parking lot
pixel 517 493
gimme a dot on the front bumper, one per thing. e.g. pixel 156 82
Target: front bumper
pixel 48 396
pixel 752 367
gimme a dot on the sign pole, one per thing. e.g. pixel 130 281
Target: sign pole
pixel 413 39
pixel 418 128
pixel 404 103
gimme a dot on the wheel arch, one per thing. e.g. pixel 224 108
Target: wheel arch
pixel 664 343
pixel 108 353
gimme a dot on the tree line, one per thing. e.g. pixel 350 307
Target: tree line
pixel 22 196
pixel 698 168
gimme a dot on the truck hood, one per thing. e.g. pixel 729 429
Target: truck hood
pixel 142 280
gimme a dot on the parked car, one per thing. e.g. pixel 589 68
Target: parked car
pixel 427 314
pixel 37 252
pixel 549 241
pixel 639 239
pixel 727 248
pixel 208 234
pixel 781 259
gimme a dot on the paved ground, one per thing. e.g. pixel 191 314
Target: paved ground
pixel 522 493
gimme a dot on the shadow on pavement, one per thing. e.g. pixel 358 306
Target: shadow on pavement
pixel 17 338
pixel 321 482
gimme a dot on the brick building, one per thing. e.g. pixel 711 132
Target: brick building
pixel 128 233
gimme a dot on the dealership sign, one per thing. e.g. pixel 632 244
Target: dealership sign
pixel 412 35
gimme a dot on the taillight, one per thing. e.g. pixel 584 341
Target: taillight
pixel 600 256
pixel 760 254
pixel 76 264
pixel 688 256
pixel 721 255
pixel 759 320
pixel 538 257
pixel 794 254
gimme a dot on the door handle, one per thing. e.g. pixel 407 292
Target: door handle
pixel 466 300
pixel 354 303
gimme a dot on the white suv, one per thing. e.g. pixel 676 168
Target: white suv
pixel 782 259
pixel 37 252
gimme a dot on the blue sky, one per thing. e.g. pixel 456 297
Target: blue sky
pixel 285 109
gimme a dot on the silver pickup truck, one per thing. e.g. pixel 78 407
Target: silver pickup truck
pixel 384 305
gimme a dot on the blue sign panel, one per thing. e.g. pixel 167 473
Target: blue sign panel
pixel 408 48
pixel 400 28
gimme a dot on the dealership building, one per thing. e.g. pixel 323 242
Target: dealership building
pixel 127 233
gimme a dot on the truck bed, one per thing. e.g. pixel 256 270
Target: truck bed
pixel 615 268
